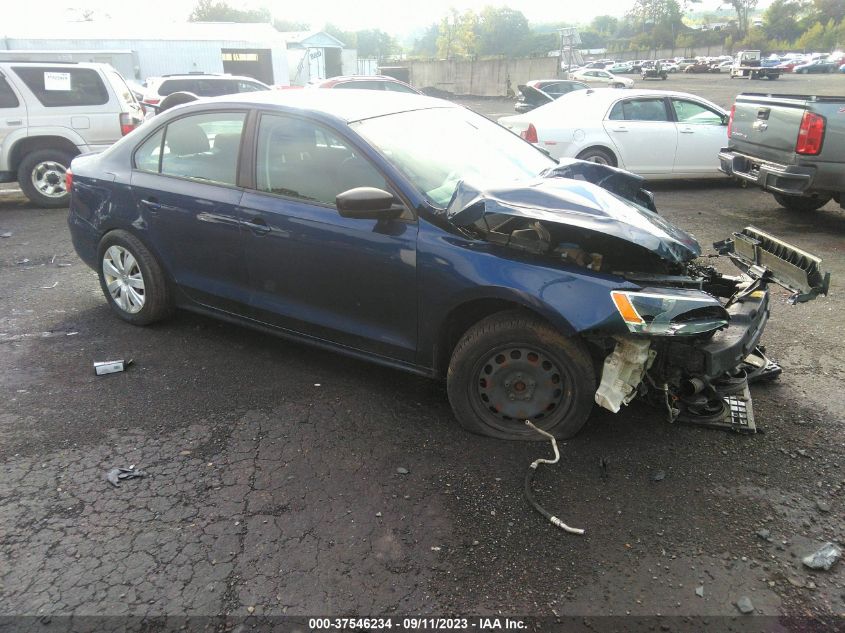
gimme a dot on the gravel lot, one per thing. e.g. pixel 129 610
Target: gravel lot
pixel 273 484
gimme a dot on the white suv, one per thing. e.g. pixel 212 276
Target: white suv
pixel 52 111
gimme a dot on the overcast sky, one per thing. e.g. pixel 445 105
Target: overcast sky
pixel 397 17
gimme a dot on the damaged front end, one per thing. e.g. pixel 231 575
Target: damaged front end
pixel 686 338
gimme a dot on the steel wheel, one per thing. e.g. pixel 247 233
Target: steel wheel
pixel 124 279
pixel 518 383
pixel 48 178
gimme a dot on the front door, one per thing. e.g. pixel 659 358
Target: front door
pixel 12 112
pixel 701 134
pixel 184 186
pixel 644 135
pixel 348 281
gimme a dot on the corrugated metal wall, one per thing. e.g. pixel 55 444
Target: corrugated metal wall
pixel 160 57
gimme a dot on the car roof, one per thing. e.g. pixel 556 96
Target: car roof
pixel 598 100
pixel 211 76
pixel 347 105
pixel 58 63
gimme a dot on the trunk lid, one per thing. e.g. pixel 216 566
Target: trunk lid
pixel 534 96
pixel 766 126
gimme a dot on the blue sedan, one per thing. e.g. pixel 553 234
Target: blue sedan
pixel 412 232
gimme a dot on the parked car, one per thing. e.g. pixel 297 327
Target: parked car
pixel 198 85
pixel 52 111
pixel 619 68
pixel 722 67
pixel 669 65
pixel 788 145
pixel 815 66
pixel 602 77
pixel 658 134
pixel 697 67
pixel 352 222
pixel 685 63
pixel 541 91
pixel 366 82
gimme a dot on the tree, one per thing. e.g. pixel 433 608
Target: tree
pixel 661 19
pixel 426 44
pixel 220 11
pixel 605 25
pixel 829 10
pixel 742 7
pixel 780 20
pixel 502 31
pixel 375 43
pixel 347 37
pixel 457 35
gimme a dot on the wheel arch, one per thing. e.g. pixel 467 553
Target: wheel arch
pixel 141 237
pixel 469 312
pixel 602 146
pixel 29 144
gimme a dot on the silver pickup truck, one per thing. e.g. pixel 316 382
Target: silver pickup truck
pixel 790 145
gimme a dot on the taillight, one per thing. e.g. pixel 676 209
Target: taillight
pixel 68 180
pixel 152 101
pixel 127 123
pixel 731 120
pixel 810 134
pixel 530 134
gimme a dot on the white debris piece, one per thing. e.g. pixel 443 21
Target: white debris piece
pixel 623 371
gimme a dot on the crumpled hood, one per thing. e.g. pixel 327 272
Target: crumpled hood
pixel 576 203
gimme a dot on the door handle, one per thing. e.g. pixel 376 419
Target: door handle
pixel 154 206
pixel 14 121
pixel 257 226
pixel 687 130
pixel 620 128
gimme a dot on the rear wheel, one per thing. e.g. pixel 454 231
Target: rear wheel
pixel 801 203
pixel 132 280
pixel 512 367
pixel 617 85
pixel 41 176
pixel 597 155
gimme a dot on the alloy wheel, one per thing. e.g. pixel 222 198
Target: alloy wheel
pixel 48 178
pixel 124 279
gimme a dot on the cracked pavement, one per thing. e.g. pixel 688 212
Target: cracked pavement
pixel 272 482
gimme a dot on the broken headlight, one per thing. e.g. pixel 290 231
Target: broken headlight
pixel 669 312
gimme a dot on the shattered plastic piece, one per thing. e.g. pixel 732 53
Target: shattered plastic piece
pixel 823 558
pixel 25 260
pixel 623 371
pixel 111 366
pixel 50 287
pixel 699 591
pixel 6 234
pixel 119 474
pixel 402 470
pixel 660 475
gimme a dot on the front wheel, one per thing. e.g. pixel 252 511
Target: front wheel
pixel 41 176
pixel 617 85
pixel 597 155
pixel 800 203
pixel 512 367
pixel 132 280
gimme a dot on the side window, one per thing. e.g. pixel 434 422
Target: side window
pixel 64 85
pixel 148 154
pixel 639 110
pixel 248 86
pixel 203 147
pixel 695 113
pixel 303 160
pixel 8 99
pixel 395 87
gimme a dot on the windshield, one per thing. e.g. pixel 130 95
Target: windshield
pixel 437 148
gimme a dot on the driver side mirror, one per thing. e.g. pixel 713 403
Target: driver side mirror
pixel 368 203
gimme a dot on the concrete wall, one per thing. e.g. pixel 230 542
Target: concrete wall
pixel 713 50
pixel 484 78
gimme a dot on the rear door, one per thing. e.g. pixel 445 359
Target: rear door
pixel 184 184
pixel 70 97
pixel 12 116
pixel 644 135
pixel 701 134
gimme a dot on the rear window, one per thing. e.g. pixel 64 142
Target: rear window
pixel 8 99
pixel 64 86
pixel 200 87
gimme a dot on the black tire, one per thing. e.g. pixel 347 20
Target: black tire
pixel 157 300
pixel 176 98
pixel 617 85
pixel 801 204
pixel 32 166
pixel 598 155
pixel 555 374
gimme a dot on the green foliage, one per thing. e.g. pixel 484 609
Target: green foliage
pixel 457 35
pixel 827 10
pixel 375 43
pixel 780 20
pixel 220 11
pixel 502 31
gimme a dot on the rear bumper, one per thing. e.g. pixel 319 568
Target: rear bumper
pixel 791 180
pixel 726 349
pixel 85 239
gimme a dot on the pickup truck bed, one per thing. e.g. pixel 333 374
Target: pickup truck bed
pixel 791 145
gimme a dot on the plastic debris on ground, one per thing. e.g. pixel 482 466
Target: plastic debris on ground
pixel 116 475
pixel 824 557
pixel 111 366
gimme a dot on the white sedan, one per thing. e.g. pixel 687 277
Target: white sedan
pixel 659 134
pixel 599 76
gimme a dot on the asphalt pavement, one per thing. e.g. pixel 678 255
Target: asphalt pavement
pixel 287 480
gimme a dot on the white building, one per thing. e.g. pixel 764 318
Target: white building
pixel 314 55
pixel 255 50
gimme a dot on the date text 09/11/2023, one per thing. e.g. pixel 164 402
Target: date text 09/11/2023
pixel 416 623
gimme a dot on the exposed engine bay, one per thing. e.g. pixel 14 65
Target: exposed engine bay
pixel 686 338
